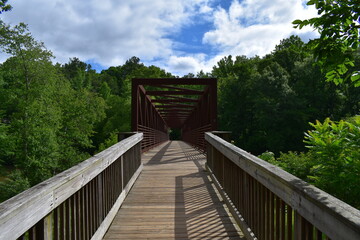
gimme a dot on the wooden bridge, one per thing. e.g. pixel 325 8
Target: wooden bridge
pixel 148 187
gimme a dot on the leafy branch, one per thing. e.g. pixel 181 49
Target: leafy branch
pixel 338 24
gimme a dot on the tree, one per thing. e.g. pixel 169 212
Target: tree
pixel 4 7
pixel 77 72
pixel 289 51
pixel 267 102
pixel 47 119
pixel 339 26
pixel 32 114
pixel 272 100
pixel 82 110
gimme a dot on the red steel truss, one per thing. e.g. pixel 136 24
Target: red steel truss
pixel 159 104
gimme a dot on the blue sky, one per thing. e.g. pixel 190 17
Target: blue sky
pixel 180 36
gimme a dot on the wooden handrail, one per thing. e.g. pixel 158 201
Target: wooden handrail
pixel 270 203
pixel 79 202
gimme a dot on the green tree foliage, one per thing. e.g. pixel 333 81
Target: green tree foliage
pixel 4 7
pixel 267 102
pixel 46 120
pixel 82 111
pixel 79 73
pixel 54 116
pixel 333 160
pixel 336 162
pixel 298 164
pixel 29 107
pixel 15 183
pixel 6 144
pixel 339 25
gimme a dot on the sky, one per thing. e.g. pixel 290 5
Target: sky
pixel 180 36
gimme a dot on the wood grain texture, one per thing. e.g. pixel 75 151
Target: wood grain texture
pixel 173 198
pixel 24 210
pixel 99 234
pixel 316 206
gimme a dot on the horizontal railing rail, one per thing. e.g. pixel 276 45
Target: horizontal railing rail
pixel 152 137
pixel 196 137
pixel 79 203
pixel 270 203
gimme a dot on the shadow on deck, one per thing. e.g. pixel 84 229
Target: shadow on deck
pixel 173 198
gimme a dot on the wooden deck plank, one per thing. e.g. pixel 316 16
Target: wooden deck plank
pixel 173 198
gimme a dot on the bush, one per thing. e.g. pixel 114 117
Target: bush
pixel 336 157
pixel 298 164
pixel 332 162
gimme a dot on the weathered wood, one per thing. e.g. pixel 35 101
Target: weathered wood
pixel 48 227
pixel 21 212
pixel 173 199
pixel 99 234
pixel 289 223
pixel 319 208
pixel 237 216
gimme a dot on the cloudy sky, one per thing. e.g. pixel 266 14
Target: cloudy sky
pixel 181 36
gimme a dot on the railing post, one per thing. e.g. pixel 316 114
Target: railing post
pixel 209 156
pixel 100 197
pixel 39 230
pixel 48 226
pixel 122 171
pixel 297 226
pixel 44 228
pixel 222 157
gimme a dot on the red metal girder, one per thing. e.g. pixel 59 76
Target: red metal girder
pixel 170 114
pixel 175 114
pixel 182 118
pixel 181 98
pixel 180 88
pixel 174 81
pixel 194 115
pixel 175 117
pixel 176 88
pixel 175 110
pixel 167 117
pixel 183 92
pixel 174 100
pixel 174 106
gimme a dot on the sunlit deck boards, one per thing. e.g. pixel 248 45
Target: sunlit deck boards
pixel 173 199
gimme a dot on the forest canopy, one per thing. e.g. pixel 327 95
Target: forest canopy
pixel 53 116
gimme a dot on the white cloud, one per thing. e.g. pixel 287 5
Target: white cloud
pixel 109 31
pixel 194 63
pixel 254 27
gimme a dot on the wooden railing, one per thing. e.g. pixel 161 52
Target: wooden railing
pixel 269 203
pixel 79 203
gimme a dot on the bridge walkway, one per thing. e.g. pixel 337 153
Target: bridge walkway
pixel 173 198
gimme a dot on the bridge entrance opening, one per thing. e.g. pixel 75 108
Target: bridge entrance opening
pixel 175 134
pixel 162 107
